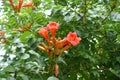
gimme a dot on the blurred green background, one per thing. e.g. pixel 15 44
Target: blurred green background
pixel 97 57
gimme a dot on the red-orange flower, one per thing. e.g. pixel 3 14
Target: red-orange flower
pixel 30 4
pixel 61 43
pixel 44 32
pixel 72 38
pixel 53 26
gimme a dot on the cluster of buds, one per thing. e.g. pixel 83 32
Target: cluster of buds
pixel 3 39
pixel 18 6
pixel 24 28
pixel 56 46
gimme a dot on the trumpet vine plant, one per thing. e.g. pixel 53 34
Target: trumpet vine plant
pixel 56 46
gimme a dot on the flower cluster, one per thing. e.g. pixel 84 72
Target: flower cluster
pixel 56 46
pixel 18 6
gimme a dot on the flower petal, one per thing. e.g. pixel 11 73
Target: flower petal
pixel 72 38
pixel 44 32
pixel 53 26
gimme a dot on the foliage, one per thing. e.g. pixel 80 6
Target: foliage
pixel 97 57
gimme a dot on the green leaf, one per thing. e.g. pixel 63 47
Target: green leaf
pixel 11 78
pixel 61 2
pixel 34 53
pixel 31 42
pixel 23 76
pixel 114 72
pixel 25 56
pixel 118 59
pixel 60 59
pixel 52 78
pixel 9 69
pixel 3 74
pixel 118 37
pixel 24 36
pixel 95 73
pixel 20 50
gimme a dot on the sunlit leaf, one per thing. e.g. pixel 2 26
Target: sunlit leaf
pixel 52 78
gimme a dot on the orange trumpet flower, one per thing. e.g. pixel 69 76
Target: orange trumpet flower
pixel 72 38
pixel 44 32
pixel 53 26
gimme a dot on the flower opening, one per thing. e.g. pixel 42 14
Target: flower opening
pixel 53 26
pixel 44 32
pixel 73 39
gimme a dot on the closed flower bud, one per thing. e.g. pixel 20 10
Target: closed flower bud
pixel 56 70
pixel 1 33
